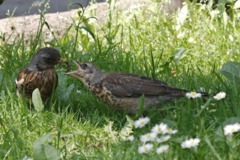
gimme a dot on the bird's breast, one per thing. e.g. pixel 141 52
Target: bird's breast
pixel 103 93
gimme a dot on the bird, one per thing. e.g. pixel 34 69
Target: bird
pixel 123 91
pixel 40 73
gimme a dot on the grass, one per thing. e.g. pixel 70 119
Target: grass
pixel 184 52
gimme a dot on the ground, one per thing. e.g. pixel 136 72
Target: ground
pixel 26 17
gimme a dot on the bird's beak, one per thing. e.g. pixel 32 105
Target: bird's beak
pixel 74 73
pixel 62 61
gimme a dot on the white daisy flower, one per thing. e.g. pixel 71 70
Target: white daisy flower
pixel 161 128
pixel 172 131
pixel 141 122
pixel 148 137
pixel 236 5
pixel 91 20
pixel 231 128
pixel 181 35
pixel 163 139
pixel 129 138
pixel 193 95
pixel 190 143
pixel 145 148
pixel 79 91
pixel 220 96
pixel 182 15
pixel 231 38
pixel 191 40
pixel 162 149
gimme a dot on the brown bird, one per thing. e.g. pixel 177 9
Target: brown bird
pixel 123 90
pixel 40 73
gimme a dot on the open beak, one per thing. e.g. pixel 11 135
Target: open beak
pixel 62 61
pixel 73 73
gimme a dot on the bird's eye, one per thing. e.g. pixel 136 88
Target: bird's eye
pixel 83 66
pixel 49 59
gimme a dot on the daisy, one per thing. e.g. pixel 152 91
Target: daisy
pixel 141 122
pixel 182 15
pixel 231 128
pixel 220 96
pixel 79 91
pixel 163 148
pixel 172 131
pixel 160 128
pixel 129 138
pixel 163 139
pixel 193 95
pixel 145 148
pixel 191 40
pixel 148 137
pixel 190 143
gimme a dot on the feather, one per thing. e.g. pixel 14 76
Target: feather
pixel 131 85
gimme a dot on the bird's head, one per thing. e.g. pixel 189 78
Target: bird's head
pixel 45 58
pixel 86 72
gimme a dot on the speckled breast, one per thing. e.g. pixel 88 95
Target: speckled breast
pixel 105 95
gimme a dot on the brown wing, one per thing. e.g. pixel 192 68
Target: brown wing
pixel 45 81
pixel 130 85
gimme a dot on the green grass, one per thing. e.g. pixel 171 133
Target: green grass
pixel 144 41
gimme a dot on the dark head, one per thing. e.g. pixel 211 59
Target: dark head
pixel 86 71
pixel 45 58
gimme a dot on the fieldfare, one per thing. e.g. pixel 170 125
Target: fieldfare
pixel 122 91
pixel 40 73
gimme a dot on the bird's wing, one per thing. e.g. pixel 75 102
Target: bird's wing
pixel 28 80
pixel 25 82
pixel 130 85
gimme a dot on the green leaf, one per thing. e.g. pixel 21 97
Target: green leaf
pixel 212 148
pixel 44 151
pixel 111 133
pixel 88 30
pixel 68 91
pixel 169 122
pixel 37 100
pixel 231 70
pixel 127 129
pixel 225 19
pixel 43 139
pixel 231 120
pixel 179 54
pixel 140 108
